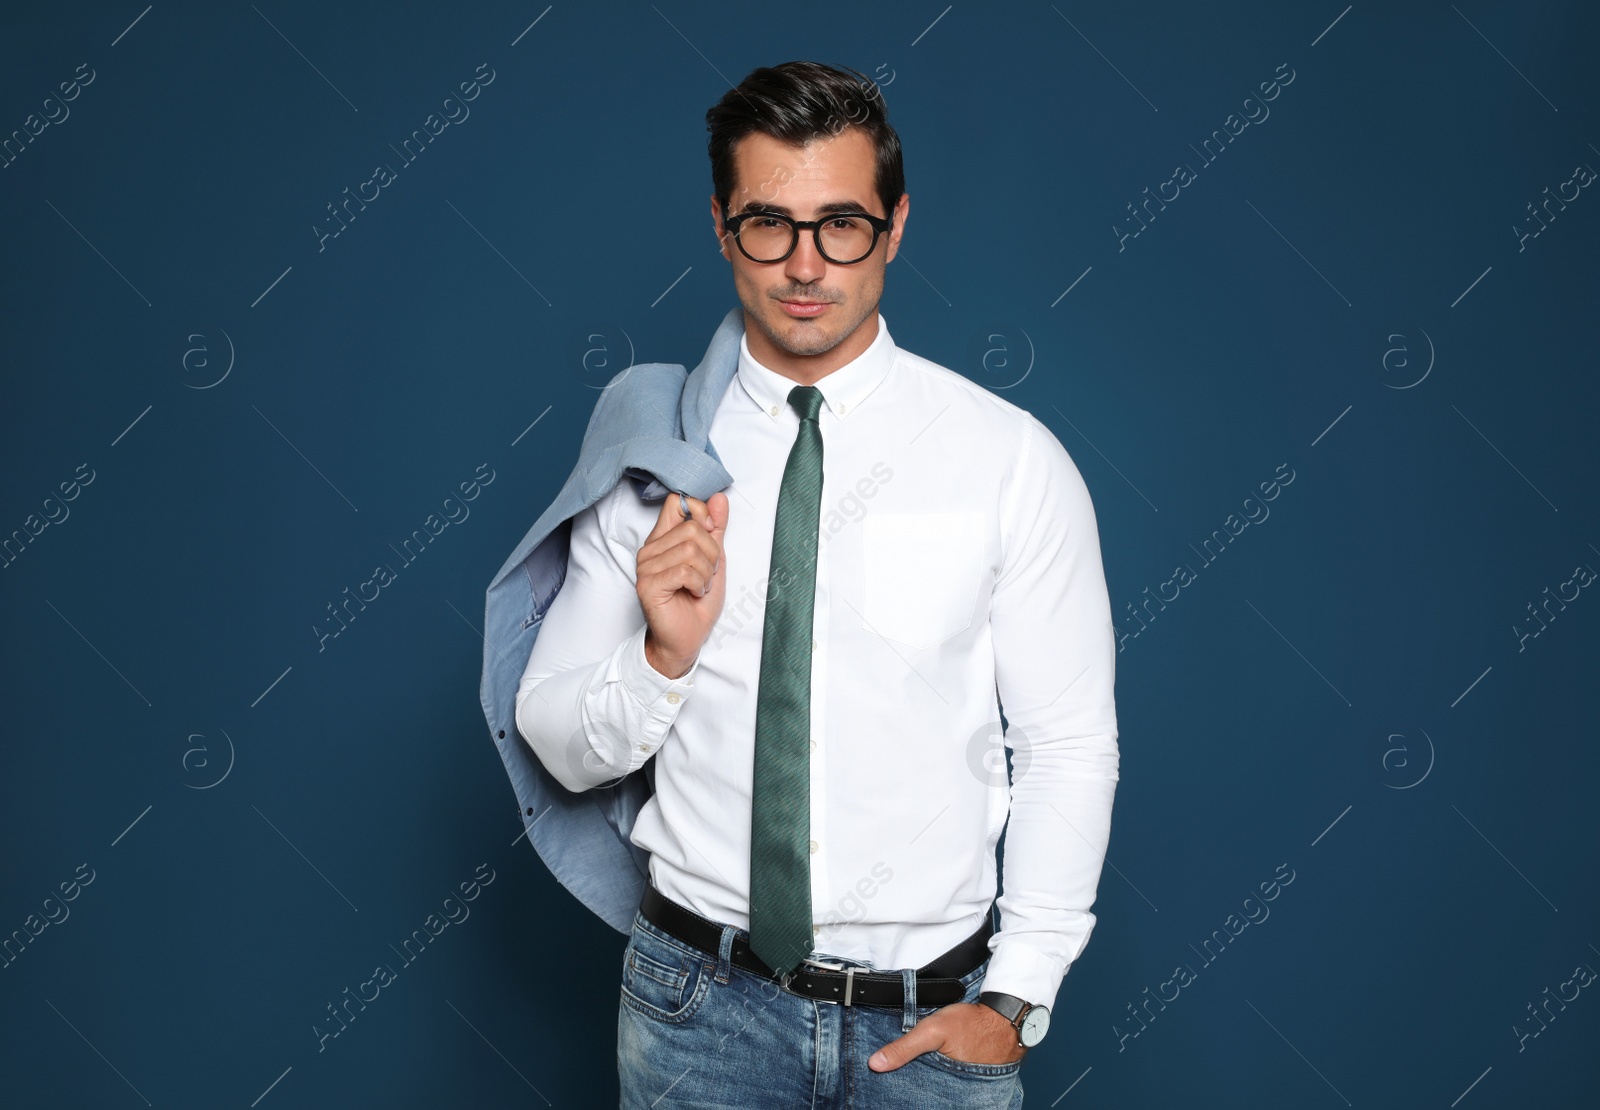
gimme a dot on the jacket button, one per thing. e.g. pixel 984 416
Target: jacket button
pixel 530 811
pixel 502 734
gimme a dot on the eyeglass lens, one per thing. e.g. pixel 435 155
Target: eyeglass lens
pixel 844 238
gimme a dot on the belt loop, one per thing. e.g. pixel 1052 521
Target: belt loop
pixel 908 1013
pixel 725 953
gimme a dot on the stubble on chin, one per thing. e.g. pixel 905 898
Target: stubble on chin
pixel 806 338
pixel 811 341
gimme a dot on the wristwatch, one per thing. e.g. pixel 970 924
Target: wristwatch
pixel 1031 1021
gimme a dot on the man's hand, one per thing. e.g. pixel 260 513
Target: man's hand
pixel 968 1031
pixel 681 581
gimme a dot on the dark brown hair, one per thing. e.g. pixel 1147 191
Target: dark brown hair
pixel 799 101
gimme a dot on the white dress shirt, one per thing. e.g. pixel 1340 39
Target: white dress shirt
pixel 958 571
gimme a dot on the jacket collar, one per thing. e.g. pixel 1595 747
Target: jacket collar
pixel 703 390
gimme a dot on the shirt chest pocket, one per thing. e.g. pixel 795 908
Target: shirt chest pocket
pixel 921 574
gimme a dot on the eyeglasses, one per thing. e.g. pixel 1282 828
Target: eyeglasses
pixel 843 238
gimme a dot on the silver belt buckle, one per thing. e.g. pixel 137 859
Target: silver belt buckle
pixel 836 965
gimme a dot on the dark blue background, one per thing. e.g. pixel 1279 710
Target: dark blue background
pixel 344 793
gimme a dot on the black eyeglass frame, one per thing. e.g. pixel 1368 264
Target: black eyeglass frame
pixel 731 225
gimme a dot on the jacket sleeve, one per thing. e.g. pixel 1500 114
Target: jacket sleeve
pixel 1054 661
pixel 589 704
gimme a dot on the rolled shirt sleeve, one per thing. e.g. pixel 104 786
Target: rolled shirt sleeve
pixel 1055 654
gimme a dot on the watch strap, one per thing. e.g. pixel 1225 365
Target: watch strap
pixel 1017 1011
pixel 1009 1006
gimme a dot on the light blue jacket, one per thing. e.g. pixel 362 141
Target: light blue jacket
pixel 651 423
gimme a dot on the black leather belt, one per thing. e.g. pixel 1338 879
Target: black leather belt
pixel 938 981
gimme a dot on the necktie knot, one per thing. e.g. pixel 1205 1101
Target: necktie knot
pixel 806 400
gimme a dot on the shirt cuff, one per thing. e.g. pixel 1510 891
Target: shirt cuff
pixel 661 697
pixel 1015 968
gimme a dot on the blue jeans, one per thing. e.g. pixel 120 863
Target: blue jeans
pixel 693 1030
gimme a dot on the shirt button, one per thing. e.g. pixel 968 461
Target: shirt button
pixel 841 410
pixel 673 699
pixel 813 847
pixel 813 745
pixel 644 747
pixel 774 410
pixel 813 645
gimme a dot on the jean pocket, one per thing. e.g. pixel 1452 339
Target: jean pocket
pixel 966 1067
pixel 662 979
pixel 972 984
pixel 921 574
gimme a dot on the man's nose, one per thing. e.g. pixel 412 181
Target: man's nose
pixel 805 264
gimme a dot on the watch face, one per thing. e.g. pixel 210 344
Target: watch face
pixel 1034 1026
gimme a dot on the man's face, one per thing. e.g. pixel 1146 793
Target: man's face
pixel 796 182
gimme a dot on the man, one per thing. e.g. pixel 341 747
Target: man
pixel 816 660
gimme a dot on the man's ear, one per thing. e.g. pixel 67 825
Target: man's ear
pixel 724 247
pixel 902 209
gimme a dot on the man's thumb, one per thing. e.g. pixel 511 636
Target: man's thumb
pixel 900 1050
pixel 717 508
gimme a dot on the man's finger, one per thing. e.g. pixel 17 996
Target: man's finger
pixel 671 514
pixel 717 512
pixel 907 1047
pixel 695 557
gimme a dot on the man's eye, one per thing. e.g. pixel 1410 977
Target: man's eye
pixel 766 223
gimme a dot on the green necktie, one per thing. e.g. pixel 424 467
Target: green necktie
pixel 780 818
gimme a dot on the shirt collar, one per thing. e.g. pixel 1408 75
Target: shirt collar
pixel 843 390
